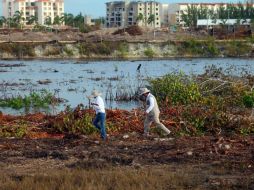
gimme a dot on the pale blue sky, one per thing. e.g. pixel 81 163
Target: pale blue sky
pixel 96 8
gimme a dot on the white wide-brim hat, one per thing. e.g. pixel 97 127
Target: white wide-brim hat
pixel 143 91
pixel 95 93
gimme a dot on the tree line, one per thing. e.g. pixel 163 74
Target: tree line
pixel 230 11
pixel 18 21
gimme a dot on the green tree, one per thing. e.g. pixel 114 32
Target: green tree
pixel 190 16
pixel 151 19
pixel 68 19
pixel 57 20
pixel 140 18
pixel 2 21
pixel 18 18
pixel 48 21
pixel 32 20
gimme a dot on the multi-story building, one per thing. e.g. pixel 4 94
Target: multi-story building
pixel 164 15
pixel 41 9
pixel 126 13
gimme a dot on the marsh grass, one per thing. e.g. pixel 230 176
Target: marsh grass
pixel 134 178
pixel 114 179
pixel 34 100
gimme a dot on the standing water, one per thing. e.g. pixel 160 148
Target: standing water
pixel 74 81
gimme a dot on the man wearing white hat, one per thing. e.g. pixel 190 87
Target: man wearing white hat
pixel 99 107
pixel 152 112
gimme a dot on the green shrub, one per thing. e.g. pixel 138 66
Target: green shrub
pixel 17 131
pixel 177 88
pixel 193 47
pixel 123 50
pixel 73 122
pixel 211 48
pixel 248 100
pixel 238 48
pixel 149 53
pixel 68 51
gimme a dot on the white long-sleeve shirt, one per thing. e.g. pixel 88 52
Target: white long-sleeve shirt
pixel 150 102
pixel 99 106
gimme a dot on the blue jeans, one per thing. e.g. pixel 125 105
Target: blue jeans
pixel 99 123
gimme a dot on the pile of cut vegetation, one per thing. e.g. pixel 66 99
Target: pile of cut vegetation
pixel 131 30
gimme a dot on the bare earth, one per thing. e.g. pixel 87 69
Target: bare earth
pixel 215 161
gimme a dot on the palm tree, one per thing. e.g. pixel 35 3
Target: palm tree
pixel 79 20
pixel 57 20
pixel 10 22
pixel 18 18
pixel 32 20
pixel 48 20
pixel 140 17
pixel 151 19
pixel 2 21
pixel 62 20
pixel 68 19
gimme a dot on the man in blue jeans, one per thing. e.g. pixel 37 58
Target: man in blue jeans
pixel 99 107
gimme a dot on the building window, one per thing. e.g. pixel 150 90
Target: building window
pixel 140 9
pixel 157 23
pixel 45 3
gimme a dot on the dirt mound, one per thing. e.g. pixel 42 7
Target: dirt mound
pixel 131 30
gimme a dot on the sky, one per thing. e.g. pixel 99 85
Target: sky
pixel 96 8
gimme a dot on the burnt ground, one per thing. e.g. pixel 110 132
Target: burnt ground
pixel 218 160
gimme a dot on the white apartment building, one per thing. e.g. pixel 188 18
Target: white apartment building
pixel 125 13
pixel 39 8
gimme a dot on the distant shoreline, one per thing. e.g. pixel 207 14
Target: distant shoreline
pixel 127 51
